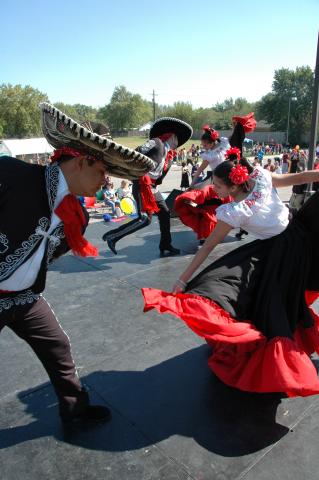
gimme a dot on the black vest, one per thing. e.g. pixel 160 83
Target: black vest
pixel 27 196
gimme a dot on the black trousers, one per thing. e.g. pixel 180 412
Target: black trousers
pixel 39 327
pixel 143 220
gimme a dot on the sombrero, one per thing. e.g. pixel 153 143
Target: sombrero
pixel 62 131
pixel 182 130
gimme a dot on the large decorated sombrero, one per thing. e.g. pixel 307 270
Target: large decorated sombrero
pixel 62 131
pixel 163 125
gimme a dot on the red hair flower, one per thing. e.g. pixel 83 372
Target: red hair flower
pixel 234 151
pixel 213 134
pixel 238 175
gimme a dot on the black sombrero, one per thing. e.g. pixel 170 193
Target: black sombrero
pixel 182 130
pixel 62 131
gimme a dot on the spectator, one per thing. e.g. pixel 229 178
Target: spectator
pixel 185 177
pixel 124 190
pixel 278 168
pixel 110 198
pixel 260 155
pixel 268 165
pixel 285 162
pixel 194 170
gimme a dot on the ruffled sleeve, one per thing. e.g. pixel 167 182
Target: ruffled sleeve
pixel 237 214
pixel 231 214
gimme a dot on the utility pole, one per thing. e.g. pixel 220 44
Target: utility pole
pixel 315 114
pixel 314 122
pixel 288 119
pixel 154 104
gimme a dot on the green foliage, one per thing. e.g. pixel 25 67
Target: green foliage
pixel 20 114
pixel 125 110
pixel 294 87
pixel 19 111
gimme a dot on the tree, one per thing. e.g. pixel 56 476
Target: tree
pixel 19 111
pixel 68 109
pixel 125 110
pixel 296 88
pixel 182 110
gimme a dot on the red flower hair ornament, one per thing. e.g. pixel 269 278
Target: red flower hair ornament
pixel 238 175
pixel 213 134
pixel 234 151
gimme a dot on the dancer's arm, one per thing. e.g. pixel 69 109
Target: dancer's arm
pixel 218 234
pixel 198 172
pixel 288 179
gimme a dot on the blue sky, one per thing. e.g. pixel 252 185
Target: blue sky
pixel 202 52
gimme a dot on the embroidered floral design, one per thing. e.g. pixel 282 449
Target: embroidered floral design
pixel 52 182
pixel 4 243
pixel 14 260
pixel 21 299
pixel 54 241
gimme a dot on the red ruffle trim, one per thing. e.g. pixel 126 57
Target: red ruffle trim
pixel 201 219
pixel 242 356
pixel 247 121
pixel 149 204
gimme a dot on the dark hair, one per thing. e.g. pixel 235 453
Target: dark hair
pixel 222 171
pixel 206 136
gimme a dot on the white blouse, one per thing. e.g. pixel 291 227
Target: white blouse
pixel 216 155
pixel 261 213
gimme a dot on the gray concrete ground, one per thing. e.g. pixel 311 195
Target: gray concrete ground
pixel 172 418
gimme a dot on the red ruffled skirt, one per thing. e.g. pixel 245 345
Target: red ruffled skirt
pixel 201 219
pixel 242 356
pixel 254 307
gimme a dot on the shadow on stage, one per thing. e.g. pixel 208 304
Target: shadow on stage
pixel 177 397
pixel 143 253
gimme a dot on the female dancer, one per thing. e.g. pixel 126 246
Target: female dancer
pixel 215 147
pixel 253 305
pixel 197 207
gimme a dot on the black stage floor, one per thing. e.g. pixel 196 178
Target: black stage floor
pixel 172 419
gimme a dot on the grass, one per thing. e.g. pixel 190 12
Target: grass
pixel 133 142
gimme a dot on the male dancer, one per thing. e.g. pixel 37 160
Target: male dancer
pixel 166 134
pixel 51 222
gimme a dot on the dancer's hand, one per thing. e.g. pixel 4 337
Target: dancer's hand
pixel 189 202
pixel 179 286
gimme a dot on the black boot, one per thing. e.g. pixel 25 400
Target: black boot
pixel 240 234
pixel 92 413
pixel 113 236
pixel 169 249
pixel 111 243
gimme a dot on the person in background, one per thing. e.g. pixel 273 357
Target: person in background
pixel 124 191
pixel 278 168
pixel 185 177
pixel 110 198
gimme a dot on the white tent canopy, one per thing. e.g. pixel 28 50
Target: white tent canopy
pixel 145 127
pixel 25 146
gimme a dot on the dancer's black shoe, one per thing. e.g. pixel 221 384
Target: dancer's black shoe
pixel 92 413
pixel 240 234
pixel 169 249
pixel 110 243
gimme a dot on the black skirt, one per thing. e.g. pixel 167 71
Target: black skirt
pixel 253 306
pixel 185 180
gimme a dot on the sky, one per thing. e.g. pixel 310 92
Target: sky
pixel 199 52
